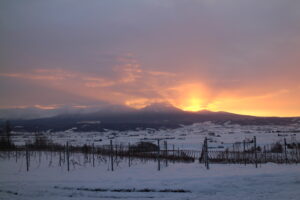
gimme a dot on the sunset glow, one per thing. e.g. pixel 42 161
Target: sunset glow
pixel 192 104
pixel 114 90
pixel 192 55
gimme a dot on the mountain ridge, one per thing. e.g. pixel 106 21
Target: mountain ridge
pixel 34 113
pixel 155 116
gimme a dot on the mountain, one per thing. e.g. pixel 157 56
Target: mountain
pixel 161 107
pixel 36 112
pixel 124 118
pixel 27 113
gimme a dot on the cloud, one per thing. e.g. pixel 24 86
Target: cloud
pixel 128 84
pixel 32 76
pixel 47 107
pixel 211 53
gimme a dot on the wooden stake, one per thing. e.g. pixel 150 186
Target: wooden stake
pixel 244 151
pixel 166 152
pixel 27 158
pixel 158 155
pixel 68 156
pixel 297 156
pixel 285 153
pixel 255 152
pixel 111 156
pixel 129 155
pixel 206 157
pixel 60 158
pixel 93 152
pixel 265 151
pixel 173 150
pixel 16 156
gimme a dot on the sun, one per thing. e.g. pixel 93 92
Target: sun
pixel 192 104
pixel 190 97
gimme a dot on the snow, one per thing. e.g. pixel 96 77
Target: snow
pixel 186 137
pixel 47 180
pixel 50 181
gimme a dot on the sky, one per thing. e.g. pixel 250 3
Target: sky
pixel 239 56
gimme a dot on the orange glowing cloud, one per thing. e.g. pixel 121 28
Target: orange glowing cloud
pixel 192 55
pixel 188 96
pixel 133 86
pixel 47 107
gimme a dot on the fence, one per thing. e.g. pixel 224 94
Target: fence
pixel 274 153
pixel 251 153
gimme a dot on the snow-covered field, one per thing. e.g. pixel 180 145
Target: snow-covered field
pixel 47 180
pixel 186 137
pixel 232 182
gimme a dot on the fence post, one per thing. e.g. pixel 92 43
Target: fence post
pixel 202 154
pixel 51 152
pixel 244 151
pixel 166 152
pixel 40 157
pixel 59 158
pixel 111 156
pixel 297 156
pixel 129 155
pixel 207 157
pixel 158 155
pixel 93 152
pixel 265 151
pixel 255 152
pixel 16 155
pixel 173 150
pixel 27 158
pixel 68 156
pixel 285 153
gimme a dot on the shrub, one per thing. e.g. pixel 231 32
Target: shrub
pixel 277 148
pixel 144 147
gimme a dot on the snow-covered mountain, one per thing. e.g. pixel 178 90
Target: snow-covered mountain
pixel 160 107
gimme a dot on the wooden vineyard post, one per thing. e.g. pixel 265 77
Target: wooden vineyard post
pixel 173 147
pixel 255 152
pixel 64 154
pixel 297 153
pixel 68 156
pixel 129 155
pixel 111 156
pixel 173 150
pixel 265 152
pixel 16 155
pixel 166 152
pixel 93 152
pixel 59 161
pixel 51 152
pixel 285 153
pixel 206 154
pixel 244 151
pixel 40 156
pixel 202 155
pixel 27 158
pixel 158 155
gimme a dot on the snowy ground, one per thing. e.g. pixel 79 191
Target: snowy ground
pixel 47 180
pixel 232 182
pixel 186 137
